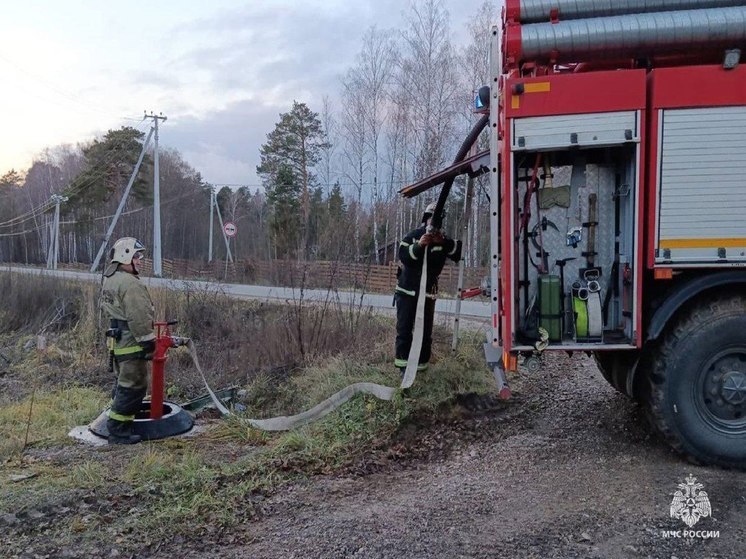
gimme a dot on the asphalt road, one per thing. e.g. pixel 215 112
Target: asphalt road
pixel 476 309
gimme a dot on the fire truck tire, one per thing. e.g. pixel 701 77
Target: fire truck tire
pixel 613 368
pixel 616 366
pixel 698 383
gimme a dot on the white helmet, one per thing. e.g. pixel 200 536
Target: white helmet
pixel 124 250
pixel 429 211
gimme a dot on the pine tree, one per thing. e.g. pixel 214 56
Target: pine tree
pixel 284 201
pixel 109 165
pixel 294 147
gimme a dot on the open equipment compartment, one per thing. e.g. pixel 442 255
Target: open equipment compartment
pixel 574 221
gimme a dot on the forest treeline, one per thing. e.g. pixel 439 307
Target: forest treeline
pixel 330 173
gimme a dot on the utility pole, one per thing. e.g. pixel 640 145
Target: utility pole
pixel 157 268
pixel 113 223
pixel 57 200
pixel 212 212
pixel 228 254
pixel 50 247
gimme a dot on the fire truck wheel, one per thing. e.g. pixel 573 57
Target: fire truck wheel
pixel 616 366
pixel 698 383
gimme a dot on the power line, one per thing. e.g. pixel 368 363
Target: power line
pixel 97 173
pixel 104 217
pixel 46 206
pixel 91 107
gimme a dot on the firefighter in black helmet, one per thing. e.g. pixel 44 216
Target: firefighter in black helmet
pixel 411 253
pixel 126 301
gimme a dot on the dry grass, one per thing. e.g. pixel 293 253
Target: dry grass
pixel 237 340
pixel 257 346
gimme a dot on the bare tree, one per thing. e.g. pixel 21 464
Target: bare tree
pixel 375 65
pixel 355 131
pixel 428 72
pixel 329 124
pixel 474 64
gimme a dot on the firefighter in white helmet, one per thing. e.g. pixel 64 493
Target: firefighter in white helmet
pixel 127 302
pixel 411 253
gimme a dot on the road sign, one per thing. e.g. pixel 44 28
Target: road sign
pixel 230 229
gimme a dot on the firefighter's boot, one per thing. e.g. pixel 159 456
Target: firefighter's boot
pixel 127 402
pixel 120 432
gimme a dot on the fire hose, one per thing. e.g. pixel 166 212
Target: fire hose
pixel 286 423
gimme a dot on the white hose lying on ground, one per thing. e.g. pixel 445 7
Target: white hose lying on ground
pixel 286 423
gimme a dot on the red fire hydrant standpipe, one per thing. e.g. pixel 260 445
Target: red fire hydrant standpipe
pixel 162 345
pixel 163 342
pixel 163 419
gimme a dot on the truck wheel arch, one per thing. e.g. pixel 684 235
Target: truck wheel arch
pixel 686 292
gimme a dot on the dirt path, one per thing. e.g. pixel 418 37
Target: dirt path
pixel 567 470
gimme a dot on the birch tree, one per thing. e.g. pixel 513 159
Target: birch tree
pixel 428 72
pixel 355 132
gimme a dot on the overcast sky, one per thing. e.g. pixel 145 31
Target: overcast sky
pixel 221 70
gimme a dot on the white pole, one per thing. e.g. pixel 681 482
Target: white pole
pixel 157 269
pixel 222 228
pixel 462 263
pixel 212 212
pixel 50 247
pixel 56 256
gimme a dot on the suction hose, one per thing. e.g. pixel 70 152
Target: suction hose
pixel 460 156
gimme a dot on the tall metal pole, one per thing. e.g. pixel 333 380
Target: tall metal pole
pixel 50 246
pixel 212 212
pixel 56 251
pixel 222 228
pixel 113 223
pixel 57 199
pixel 56 234
pixel 157 267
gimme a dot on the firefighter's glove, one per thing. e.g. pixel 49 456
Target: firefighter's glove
pixel 148 349
pixel 426 240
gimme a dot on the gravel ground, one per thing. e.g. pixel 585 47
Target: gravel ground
pixel 565 469
pixel 568 469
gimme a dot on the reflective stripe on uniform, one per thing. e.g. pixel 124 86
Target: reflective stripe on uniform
pixel 403 244
pixel 422 367
pixel 119 417
pixel 436 248
pixel 455 246
pixel 400 362
pixel 405 291
pixel 127 350
pixel 411 252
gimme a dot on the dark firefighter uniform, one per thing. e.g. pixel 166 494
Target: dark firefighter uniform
pixel 126 301
pixel 411 254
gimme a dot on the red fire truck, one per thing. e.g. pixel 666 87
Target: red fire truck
pixel 617 163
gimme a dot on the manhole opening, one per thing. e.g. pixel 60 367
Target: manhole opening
pixel 144 412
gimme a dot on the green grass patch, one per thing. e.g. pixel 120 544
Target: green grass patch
pixel 52 415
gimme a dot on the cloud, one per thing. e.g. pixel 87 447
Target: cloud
pixel 223 145
pixel 258 58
